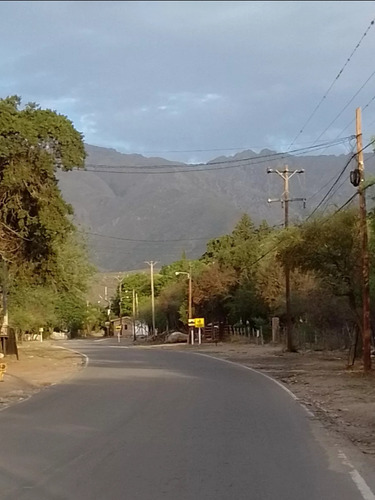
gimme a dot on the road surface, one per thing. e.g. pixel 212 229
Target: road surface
pixel 154 424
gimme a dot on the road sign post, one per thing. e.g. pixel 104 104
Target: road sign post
pixel 191 324
pixel 118 330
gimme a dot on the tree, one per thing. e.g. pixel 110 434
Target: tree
pixel 329 247
pixel 239 253
pixel 170 301
pixel 212 290
pixel 47 263
pixel 34 218
pixel 32 307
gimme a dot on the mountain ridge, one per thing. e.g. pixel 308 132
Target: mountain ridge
pixel 182 205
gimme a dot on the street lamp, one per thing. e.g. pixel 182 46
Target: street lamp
pixel 190 313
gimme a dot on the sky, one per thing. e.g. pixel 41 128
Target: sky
pixel 191 81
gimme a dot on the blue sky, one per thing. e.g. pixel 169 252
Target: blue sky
pixel 158 77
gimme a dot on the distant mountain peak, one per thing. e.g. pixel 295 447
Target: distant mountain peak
pixel 267 152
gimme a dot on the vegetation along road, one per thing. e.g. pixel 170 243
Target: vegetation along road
pixel 144 423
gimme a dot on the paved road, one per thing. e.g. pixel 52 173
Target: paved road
pixel 151 424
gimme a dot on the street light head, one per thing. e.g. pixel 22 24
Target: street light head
pixel 182 272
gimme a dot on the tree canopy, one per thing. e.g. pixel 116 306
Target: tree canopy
pixel 34 218
pixel 47 262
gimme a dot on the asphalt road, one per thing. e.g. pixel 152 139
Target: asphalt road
pixel 151 424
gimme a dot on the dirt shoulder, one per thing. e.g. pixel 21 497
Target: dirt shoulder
pixel 40 365
pixel 342 399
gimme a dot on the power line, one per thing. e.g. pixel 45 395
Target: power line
pixel 237 160
pixel 300 225
pixel 322 188
pixel 147 240
pixel 239 148
pixel 211 166
pixel 346 106
pixel 337 180
pixel 353 120
pixel 332 187
pixel 206 238
pixel 332 84
pixel 346 203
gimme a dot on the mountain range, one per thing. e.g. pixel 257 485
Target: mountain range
pixel 134 202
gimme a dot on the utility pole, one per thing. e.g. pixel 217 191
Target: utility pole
pixel 5 298
pixel 119 279
pixel 190 299
pixel 151 264
pixel 286 174
pixel 366 331
pixel 108 309
pixel 134 313
pixel 190 311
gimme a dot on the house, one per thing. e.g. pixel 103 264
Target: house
pixel 126 326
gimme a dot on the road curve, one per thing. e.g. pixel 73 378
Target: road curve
pixel 151 424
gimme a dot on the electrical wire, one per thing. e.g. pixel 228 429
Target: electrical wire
pixel 322 188
pixel 237 160
pixel 353 120
pixel 331 86
pixel 346 106
pixel 212 165
pixel 300 225
pixel 332 187
pixel 333 194
pixel 337 180
pixel 206 238
pixel 147 240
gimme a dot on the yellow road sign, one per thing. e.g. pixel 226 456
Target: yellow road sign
pixel 118 327
pixel 199 322
pixel 191 322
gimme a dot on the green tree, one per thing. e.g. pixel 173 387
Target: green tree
pixel 32 307
pixel 328 247
pixel 34 218
pixel 47 263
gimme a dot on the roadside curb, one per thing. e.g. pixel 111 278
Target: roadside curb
pixel 84 356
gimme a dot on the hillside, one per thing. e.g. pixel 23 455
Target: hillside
pixel 183 205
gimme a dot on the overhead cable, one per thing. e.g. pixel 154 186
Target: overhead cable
pixel 346 106
pixel 331 86
pixel 211 165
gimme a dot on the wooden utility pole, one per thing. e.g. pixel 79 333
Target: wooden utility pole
pixel 119 279
pixel 151 264
pixel 190 300
pixel 134 314
pixel 190 312
pixel 286 174
pixel 366 331
pixel 5 325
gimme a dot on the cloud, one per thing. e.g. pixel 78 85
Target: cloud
pixel 188 75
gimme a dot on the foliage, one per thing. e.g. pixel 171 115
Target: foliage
pixel 329 248
pixel 47 262
pixel 34 218
pixel 32 307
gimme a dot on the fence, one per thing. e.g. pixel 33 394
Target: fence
pixel 253 334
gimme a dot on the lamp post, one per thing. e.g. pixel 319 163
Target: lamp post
pixel 190 305
pixel 152 264
pixel 119 279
